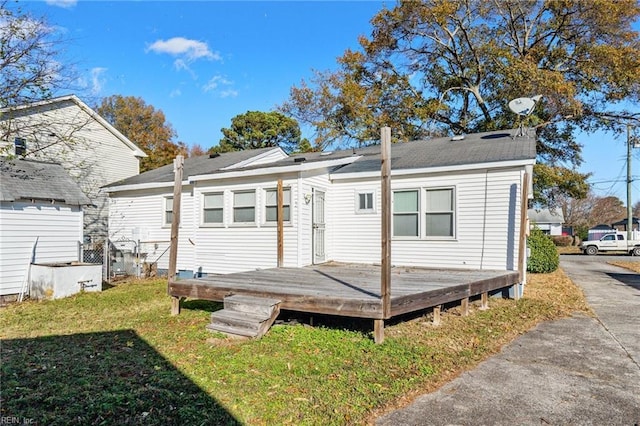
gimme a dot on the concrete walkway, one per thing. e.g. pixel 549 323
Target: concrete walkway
pixel 575 371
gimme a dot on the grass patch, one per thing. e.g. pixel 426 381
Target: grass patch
pixel 118 356
pixel 633 266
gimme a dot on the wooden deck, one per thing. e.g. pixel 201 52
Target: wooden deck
pixel 351 290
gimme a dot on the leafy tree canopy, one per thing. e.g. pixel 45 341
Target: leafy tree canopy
pixel 29 69
pixel 257 129
pixel 143 125
pixel 435 67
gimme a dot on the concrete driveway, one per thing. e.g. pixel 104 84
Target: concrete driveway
pixel 574 371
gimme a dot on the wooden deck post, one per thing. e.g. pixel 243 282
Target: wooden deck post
pixel 378 331
pixel 522 246
pixel 484 301
pixel 178 165
pixel 280 217
pixel 436 315
pixel 464 306
pixel 385 194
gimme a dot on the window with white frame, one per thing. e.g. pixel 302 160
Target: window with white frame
pixel 271 205
pixel 168 210
pixel 365 202
pixel 213 208
pixel 439 212
pixel 244 207
pixel 406 208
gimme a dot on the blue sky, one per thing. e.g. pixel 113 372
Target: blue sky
pixel 202 63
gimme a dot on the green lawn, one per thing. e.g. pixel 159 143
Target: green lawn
pixel 118 357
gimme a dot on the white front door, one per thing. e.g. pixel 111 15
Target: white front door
pixel 318 224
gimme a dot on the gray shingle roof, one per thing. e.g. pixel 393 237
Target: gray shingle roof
pixel 193 166
pixel 486 147
pixel 545 215
pixel 37 180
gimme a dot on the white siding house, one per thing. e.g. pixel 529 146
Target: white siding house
pixel 40 219
pixel 66 131
pixel 548 221
pixel 456 204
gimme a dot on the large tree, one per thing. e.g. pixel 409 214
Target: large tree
pixel 258 129
pixel 145 126
pixel 30 68
pixel 451 66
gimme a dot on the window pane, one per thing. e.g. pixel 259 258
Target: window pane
pixel 168 217
pixel 405 201
pixel 244 199
pixel 369 201
pixel 244 214
pixel 439 225
pixel 168 204
pixel 213 201
pixel 405 225
pixel 213 216
pixel 272 213
pixel 439 200
pixel 362 201
pixel 272 197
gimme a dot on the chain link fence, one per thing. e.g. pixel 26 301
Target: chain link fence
pixel 127 258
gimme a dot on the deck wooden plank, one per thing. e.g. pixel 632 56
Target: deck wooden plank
pixel 348 289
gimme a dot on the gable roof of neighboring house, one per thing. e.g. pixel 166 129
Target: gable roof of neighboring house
pixel 24 109
pixel 486 149
pixel 38 180
pixel 545 215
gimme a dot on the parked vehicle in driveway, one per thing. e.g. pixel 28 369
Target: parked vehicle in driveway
pixel 611 242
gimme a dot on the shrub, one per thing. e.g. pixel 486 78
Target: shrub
pixel 544 255
pixel 562 240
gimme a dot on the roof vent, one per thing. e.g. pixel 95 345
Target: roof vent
pixel 20 146
pixel 214 155
pixel 457 138
pixel 299 160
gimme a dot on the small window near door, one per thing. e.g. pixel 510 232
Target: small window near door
pixel 168 210
pixel 365 202
pixel 271 205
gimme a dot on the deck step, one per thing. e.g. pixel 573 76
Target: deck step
pixel 251 304
pixel 246 316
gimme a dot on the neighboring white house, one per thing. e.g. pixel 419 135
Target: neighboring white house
pixel 39 205
pixel 455 204
pixel 65 130
pixel 548 221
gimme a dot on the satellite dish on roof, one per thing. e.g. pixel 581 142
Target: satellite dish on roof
pixel 523 107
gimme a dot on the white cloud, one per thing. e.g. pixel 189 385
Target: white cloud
pixel 66 4
pixel 175 93
pixel 221 86
pixel 229 93
pixel 97 79
pixel 186 49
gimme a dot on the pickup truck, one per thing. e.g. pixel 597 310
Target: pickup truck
pixel 612 242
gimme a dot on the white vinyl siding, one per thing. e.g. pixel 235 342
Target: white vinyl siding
pixel 91 154
pixel 487 209
pixel 244 207
pixel 213 208
pixel 57 228
pixel 271 205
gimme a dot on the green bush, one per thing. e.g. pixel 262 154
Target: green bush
pixel 544 255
